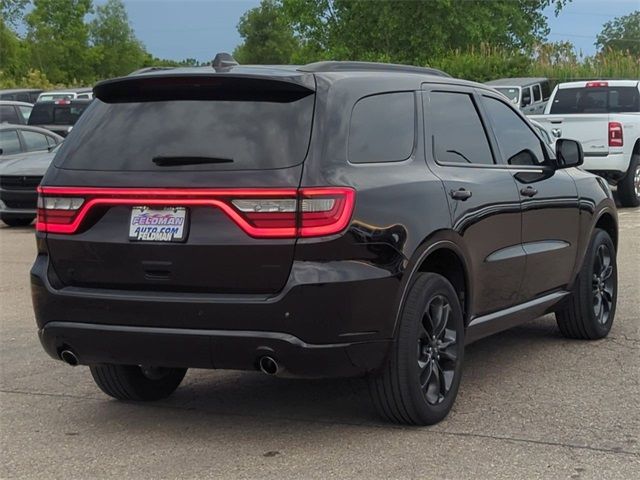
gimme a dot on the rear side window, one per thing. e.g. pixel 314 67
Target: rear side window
pixel 34 141
pixel 190 135
pixel 457 132
pixel 546 90
pixel 9 142
pixel 8 114
pixel 517 142
pixel 382 128
pixel 596 100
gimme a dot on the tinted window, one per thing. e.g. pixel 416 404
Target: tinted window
pixel 457 132
pixel 8 114
pixel 526 96
pixel 596 100
pixel 51 114
pixel 382 128
pixel 25 111
pixel 34 141
pixel 546 90
pixel 537 94
pixel 9 142
pixel 517 142
pixel 231 135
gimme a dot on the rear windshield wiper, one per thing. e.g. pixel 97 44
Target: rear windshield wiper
pixel 176 161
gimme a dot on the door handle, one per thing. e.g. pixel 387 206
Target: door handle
pixel 460 194
pixel 528 192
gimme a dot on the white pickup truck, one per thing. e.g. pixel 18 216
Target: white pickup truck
pixel 604 116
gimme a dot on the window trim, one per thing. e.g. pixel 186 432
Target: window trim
pixel 546 151
pixel 414 146
pixel 429 145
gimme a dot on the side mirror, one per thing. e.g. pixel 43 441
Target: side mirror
pixel 526 99
pixel 568 153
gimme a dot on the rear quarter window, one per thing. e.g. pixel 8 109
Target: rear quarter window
pixel 382 128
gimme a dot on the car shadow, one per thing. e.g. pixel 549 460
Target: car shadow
pixel 252 396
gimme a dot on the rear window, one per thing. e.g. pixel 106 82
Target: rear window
pixel 51 114
pixel 190 135
pixel 596 100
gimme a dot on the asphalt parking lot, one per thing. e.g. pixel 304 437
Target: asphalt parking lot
pixel 531 405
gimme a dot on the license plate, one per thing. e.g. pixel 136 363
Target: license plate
pixel 158 224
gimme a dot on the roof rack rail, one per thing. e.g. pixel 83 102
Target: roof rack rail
pixel 336 66
pixel 150 69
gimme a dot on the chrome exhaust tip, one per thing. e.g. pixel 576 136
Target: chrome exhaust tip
pixel 69 357
pixel 268 365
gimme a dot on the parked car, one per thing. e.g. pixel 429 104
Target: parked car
pixel 529 94
pixel 20 175
pixel 28 95
pixel 333 219
pixel 15 112
pixel 59 116
pixel 542 131
pixel 25 139
pixel 605 117
pixel 67 94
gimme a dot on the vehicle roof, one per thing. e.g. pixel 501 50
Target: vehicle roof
pixel 408 76
pixel 20 90
pixel 16 102
pixel 33 128
pixel 68 90
pixel 516 82
pixel 611 83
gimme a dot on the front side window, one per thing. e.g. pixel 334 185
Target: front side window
pixel 517 142
pixel 382 128
pixel 457 133
pixel 9 142
pixel 537 94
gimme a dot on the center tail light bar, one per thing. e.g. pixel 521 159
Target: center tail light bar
pixel 260 213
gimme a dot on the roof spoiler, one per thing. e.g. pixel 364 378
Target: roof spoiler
pixel 202 86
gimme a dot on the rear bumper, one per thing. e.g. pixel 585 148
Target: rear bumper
pixel 224 349
pixel 615 164
pixel 338 325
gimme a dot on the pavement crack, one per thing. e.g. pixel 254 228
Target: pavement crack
pixel 365 424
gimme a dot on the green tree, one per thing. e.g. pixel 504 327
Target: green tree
pixel 268 36
pixel 12 11
pixel 406 31
pixel 117 50
pixel 621 34
pixel 58 37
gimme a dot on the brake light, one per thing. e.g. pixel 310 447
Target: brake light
pixel 597 84
pixel 261 213
pixel 615 134
pixel 63 101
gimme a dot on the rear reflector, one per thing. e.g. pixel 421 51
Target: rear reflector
pixel 261 213
pixel 615 134
pixel 597 84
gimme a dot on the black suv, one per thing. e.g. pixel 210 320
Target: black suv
pixel 335 219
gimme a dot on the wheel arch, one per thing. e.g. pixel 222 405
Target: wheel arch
pixel 607 222
pixel 444 256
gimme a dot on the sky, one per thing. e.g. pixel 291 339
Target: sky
pixel 178 29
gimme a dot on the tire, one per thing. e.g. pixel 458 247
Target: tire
pixel 16 221
pixel 629 186
pixel 591 310
pixel 407 389
pixel 130 382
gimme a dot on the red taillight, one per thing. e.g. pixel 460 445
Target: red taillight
pixel 615 134
pixel 597 84
pixel 261 213
pixel 63 101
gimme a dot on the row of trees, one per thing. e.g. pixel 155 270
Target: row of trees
pixel 62 47
pixel 73 42
pixel 475 39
